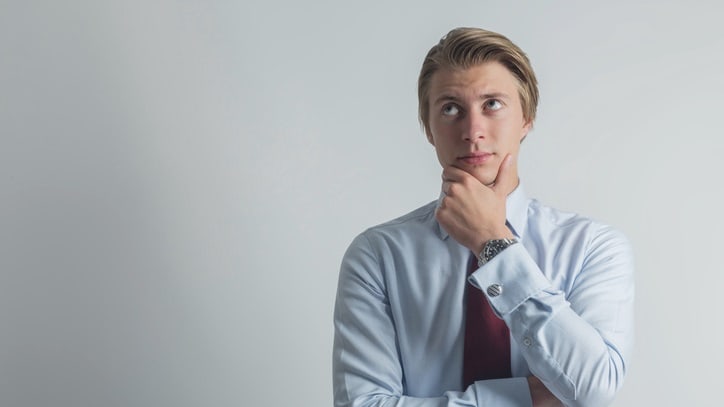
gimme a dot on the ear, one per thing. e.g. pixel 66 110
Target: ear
pixel 428 133
pixel 525 129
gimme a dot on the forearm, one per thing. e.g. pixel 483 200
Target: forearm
pixel 578 365
pixel 367 371
pixel 512 392
pixel 368 350
pixel 576 342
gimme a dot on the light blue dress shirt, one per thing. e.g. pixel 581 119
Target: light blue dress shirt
pixel 568 298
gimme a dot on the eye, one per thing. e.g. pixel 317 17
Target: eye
pixel 493 104
pixel 450 110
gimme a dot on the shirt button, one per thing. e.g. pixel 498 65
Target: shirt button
pixel 527 341
pixel 495 290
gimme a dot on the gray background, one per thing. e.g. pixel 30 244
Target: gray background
pixel 180 179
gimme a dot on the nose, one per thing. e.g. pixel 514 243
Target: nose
pixel 473 127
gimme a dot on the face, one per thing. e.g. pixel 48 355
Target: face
pixel 476 119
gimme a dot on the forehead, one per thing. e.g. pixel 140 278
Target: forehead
pixel 487 78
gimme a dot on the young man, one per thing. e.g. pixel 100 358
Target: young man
pixel 483 297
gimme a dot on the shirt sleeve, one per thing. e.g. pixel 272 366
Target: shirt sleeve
pixel 366 362
pixel 576 342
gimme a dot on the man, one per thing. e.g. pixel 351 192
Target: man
pixel 483 297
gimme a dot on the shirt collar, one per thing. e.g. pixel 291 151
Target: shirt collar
pixel 516 207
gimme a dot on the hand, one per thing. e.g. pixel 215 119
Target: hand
pixel 473 213
pixel 541 396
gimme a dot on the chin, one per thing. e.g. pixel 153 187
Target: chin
pixel 484 178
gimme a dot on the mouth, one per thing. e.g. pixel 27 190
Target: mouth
pixel 476 158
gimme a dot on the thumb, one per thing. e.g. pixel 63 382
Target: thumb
pixel 507 178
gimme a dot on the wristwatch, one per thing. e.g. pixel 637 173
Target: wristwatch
pixel 492 248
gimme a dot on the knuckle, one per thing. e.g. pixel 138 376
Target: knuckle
pixel 440 214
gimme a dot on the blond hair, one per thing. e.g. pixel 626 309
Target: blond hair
pixel 463 48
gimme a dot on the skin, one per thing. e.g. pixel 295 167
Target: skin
pixel 476 125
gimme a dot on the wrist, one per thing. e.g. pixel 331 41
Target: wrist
pixel 503 233
pixel 493 247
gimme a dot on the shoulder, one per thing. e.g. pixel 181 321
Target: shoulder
pixel 557 225
pixel 399 231
pixel 379 245
pixel 411 222
pixel 573 249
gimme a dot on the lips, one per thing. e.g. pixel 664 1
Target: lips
pixel 476 158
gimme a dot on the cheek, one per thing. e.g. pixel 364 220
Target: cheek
pixel 442 130
pixel 513 132
pixel 435 134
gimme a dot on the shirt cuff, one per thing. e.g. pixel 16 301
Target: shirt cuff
pixel 510 392
pixel 509 279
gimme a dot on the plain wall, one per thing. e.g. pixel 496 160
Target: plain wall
pixel 180 179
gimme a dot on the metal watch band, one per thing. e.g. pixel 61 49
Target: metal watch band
pixel 492 248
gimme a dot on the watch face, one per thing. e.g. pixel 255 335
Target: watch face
pixel 491 249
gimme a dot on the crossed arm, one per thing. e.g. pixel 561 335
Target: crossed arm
pixel 574 344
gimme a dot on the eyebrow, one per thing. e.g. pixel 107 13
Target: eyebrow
pixel 491 95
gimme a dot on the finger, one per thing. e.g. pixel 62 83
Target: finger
pixel 446 187
pixel 506 180
pixel 449 188
pixel 453 174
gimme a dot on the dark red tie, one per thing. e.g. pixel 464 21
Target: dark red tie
pixel 487 339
